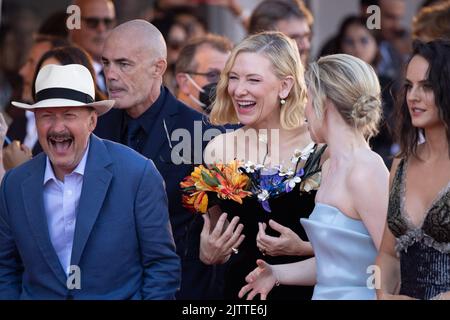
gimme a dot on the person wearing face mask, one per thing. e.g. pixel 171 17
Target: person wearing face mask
pixel 205 94
pixel 198 70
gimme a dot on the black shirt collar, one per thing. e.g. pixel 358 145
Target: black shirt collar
pixel 148 118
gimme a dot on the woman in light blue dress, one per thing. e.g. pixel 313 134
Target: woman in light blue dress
pixel 346 225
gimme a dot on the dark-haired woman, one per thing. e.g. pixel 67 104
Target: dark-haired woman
pixel 414 258
pixel 69 55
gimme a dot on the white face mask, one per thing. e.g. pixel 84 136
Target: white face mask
pixel 198 102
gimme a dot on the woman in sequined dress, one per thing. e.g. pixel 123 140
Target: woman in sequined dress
pixel 414 259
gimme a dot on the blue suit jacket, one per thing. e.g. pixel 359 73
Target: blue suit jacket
pixel 122 244
pixel 199 281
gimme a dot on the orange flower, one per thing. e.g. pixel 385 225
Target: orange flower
pixel 225 180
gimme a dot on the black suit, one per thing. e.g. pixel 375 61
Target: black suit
pixel 199 281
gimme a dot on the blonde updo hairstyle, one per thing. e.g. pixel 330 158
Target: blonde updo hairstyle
pixel 283 54
pixel 352 85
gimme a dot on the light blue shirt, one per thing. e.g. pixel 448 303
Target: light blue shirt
pixel 61 201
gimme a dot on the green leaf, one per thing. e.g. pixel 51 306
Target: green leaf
pixel 312 165
pixel 214 168
pixel 211 181
pixel 189 189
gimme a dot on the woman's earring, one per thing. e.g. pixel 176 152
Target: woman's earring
pixel 282 101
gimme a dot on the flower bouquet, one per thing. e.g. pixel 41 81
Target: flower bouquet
pixel 234 181
pixel 224 180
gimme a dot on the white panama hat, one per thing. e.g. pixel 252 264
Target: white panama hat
pixel 65 86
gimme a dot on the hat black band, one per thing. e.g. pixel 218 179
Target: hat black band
pixel 63 93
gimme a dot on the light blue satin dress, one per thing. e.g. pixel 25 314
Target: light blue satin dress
pixel 344 250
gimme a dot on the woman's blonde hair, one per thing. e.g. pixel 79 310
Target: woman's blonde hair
pixel 283 54
pixel 352 85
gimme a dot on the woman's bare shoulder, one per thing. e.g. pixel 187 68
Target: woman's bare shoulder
pixel 367 166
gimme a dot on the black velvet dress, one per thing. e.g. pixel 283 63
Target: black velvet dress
pixel 286 209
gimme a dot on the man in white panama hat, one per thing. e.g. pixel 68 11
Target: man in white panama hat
pixel 88 218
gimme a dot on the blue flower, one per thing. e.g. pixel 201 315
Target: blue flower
pixel 268 183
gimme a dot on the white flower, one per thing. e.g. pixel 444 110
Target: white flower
pixel 292 181
pixel 309 149
pixel 250 167
pixel 283 171
pixel 303 154
pixel 263 195
pixel 296 156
